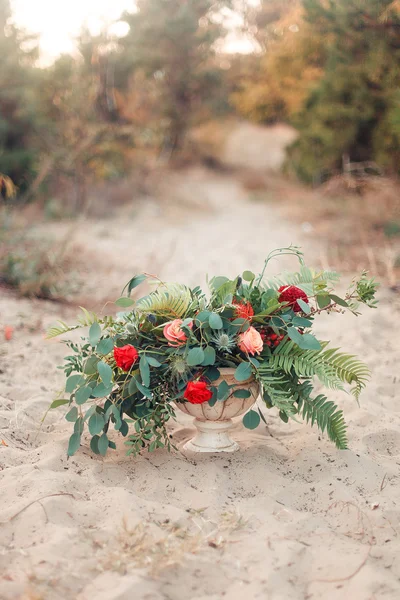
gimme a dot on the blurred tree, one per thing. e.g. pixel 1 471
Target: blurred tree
pixel 272 87
pixel 80 141
pixel 18 79
pixel 355 109
pixel 170 47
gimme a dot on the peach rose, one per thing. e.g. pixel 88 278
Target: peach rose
pixel 251 342
pixel 174 334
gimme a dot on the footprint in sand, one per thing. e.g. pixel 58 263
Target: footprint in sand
pixel 385 442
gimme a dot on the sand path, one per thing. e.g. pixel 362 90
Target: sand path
pixel 287 518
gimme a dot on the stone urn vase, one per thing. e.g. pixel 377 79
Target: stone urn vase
pixel 213 423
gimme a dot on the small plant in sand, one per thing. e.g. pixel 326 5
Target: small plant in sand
pixel 168 347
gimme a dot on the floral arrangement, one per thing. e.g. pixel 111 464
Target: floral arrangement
pixel 168 346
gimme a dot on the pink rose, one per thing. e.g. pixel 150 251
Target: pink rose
pixel 174 334
pixel 251 342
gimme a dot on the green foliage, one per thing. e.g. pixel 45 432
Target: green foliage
pixel 333 368
pixel 353 110
pixel 138 384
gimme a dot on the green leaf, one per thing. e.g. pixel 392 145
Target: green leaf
pixel 242 393
pixel 83 394
pixel 112 445
pixel 124 429
pixel 251 420
pixel 223 391
pixel 153 362
pixel 90 365
pixel 94 444
pixel 144 371
pixel 73 444
pixel 309 342
pixel 101 391
pixel 79 426
pixel 105 372
pixel 72 382
pixel 304 306
pixel 209 356
pixel 134 282
pixel 195 357
pixel 203 316
pixel 294 335
pixel 217 282
pixel 103 444
pixel 132 387
pixel 145 391
pixel 215 321
pixel 72 415
pixel 105 346
pixel 338 300
pixel 323 300
pixel 124 302
pixel 94 334
pixel 57 403
pixel 243 371
pixel 96 423
pixel 212 374
pixel 142 409
pixel 283 416
pixel 254 361
pixel 248 276
pixel 301 322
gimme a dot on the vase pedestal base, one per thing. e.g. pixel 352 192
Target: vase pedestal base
pixel 212 436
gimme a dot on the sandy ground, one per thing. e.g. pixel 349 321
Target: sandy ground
pixel 287 518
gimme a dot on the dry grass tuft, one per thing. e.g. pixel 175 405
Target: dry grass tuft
pixel 157 546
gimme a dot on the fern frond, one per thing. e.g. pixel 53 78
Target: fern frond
pixel 326 415
pixel 85 320
pixel 88 318
pixel 60 329
pixel 307 279
pixel 330 366
pixel 279 389
pixel 172 301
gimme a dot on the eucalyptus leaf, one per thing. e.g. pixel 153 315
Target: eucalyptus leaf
pixel 96 423
pixel 224 391
pixel 248 276
pixel 243 371
pixel 195 357
pixel 103 444
pixel 101 391
pixel 242 393
pixel 73 444
pixel 72 415
pixel 105 372
pixel 338 300
pixel 94 444
pixel 209 356
pixel 94 334
pixel 72 383
pixel 83 394
pixel 153 362
pixel 294 335
pixel 105 346
pixel 215 321
pixel 125 302
pixel 309 342
pixel 251 419
pixel 90 365
pixel 144 371
pixel 145 391
pixel 304 306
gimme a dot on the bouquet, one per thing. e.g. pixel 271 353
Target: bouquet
pixel 168 347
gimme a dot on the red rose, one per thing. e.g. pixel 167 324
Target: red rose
pixel 197 392
pixel 126 356
pixel 243 310
pixel 291 293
